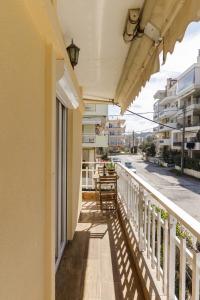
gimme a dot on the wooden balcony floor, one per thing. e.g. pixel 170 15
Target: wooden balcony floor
pixel 97 264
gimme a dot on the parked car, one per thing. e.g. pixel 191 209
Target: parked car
pixel 116 160
pixel 130 166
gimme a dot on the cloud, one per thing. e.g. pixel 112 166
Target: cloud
pixel 135 105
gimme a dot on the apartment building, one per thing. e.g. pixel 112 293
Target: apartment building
pixel 188 95
pixel 116 134
pixel 94 136
pixel 165 109
pixel 177 105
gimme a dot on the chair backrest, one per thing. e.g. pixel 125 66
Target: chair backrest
pixel 108 179
pixel 100 170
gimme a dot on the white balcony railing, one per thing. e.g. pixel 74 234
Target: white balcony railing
pixel 168 112
pixel 89 169
pixel 167 237
pixel 162 128
pixel 165 142
pixel 88 138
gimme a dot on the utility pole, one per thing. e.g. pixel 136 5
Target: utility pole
pixel 183 142
pixel 133 138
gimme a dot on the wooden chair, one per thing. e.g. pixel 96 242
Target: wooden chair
pixel 100 170
pixel 108 192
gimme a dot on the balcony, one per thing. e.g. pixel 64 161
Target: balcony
pixel 96 110
pixel 163 128
pixel 163 240
pixel 194 106
pixel 93 140
pixel 177 144
pixel 188 125
pixel 165 142
pixel 167 112
pixel 188 81
pixel 88 138
pixel 98 263
pixel 91 121
pixel 196 145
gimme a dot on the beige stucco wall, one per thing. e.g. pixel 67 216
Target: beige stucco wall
pixel 74 152
pixel 89 129
pixel 27 158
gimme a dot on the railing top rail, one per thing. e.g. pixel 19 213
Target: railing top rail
pixel 93 162
pixel 182 216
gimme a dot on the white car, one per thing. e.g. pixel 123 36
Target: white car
pixel 130 166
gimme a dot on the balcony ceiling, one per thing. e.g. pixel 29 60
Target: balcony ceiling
pixel 108 67
pixel 97 29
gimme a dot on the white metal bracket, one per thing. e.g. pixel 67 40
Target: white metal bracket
pixel 152 32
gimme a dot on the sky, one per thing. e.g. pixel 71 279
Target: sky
pixel 184 55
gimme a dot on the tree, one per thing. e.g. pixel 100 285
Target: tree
pixel 151 150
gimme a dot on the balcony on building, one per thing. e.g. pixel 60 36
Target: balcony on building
pixel 189 81
pixel 92 109
pixel 165 142
pixel 188 145
pixel 94 141
pixel 169 126
pixel 147 250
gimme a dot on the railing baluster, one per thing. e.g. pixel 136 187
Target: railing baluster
pixel 165 257
pixel 132 203
pixel 86 177
pixel 135 206
pixel 92 177
pixel 145 221
pixel 153 238
pixel 149 229
pixel 172 257
pixel 141 221
pixel 182 269
pixel 158 244
pixel 129 199
pixel 195 275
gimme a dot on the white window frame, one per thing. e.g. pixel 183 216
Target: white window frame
pixel 61 182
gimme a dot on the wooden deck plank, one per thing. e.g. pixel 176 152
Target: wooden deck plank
pixel 97 264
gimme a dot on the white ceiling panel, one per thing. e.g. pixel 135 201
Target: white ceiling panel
pixel 97 29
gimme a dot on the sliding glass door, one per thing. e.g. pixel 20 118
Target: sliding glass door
pixel 61 181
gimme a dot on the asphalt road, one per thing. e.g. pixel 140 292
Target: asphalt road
pixel 182 190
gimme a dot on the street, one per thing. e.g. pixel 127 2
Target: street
pixel 182 190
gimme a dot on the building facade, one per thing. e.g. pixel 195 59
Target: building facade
pixel 116 135
pixel 176 107
pixel 94 137
pixel 188 114
pixel 165 109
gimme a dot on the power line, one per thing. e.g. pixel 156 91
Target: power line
pixel 161 124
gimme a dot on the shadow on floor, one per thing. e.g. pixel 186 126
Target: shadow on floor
pixel 98 264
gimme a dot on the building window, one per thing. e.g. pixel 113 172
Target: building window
pixel 186 81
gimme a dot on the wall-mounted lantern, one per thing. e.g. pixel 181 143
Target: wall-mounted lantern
pixel 73 52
